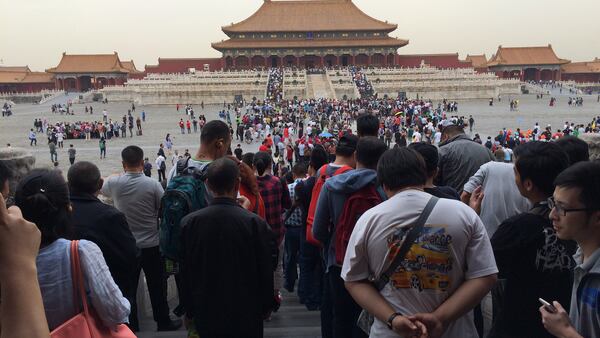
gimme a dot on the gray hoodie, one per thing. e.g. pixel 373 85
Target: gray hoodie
pixel 330 206
pixel 585 297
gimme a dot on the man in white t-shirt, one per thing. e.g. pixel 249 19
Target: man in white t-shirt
pixel 448 270
pixel 416 136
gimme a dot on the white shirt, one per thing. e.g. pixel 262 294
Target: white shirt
pixel 416 137
pixel 437 137
pixel 159 160
pixel 453 247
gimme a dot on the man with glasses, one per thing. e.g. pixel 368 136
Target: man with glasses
pixel 533 262
pixel 576 216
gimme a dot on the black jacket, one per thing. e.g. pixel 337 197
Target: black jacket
pixel 107 227
pixel 536 264
pixel 226 270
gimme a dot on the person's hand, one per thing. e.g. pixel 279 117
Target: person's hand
pixel 409 328
pixel 244 202
pixel 19 240
pixel 558 323
pixel 435 327
pixel 476 198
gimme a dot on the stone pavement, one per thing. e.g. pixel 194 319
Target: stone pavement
pixel 163 119
pixel 291 321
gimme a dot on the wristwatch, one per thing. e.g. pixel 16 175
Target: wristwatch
pixel 391 320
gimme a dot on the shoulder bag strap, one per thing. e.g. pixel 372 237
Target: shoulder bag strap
pixel 77 277
pixel 411 237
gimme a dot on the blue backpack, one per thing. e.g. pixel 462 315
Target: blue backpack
pixel 185 194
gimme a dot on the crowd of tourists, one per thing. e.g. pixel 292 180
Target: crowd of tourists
pixel 424 240
pixel 87 130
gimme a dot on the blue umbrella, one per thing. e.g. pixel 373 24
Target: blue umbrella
pixel 325 134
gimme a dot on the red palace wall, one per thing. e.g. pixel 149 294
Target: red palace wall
pixel 435 60
pixel 26 87
pixel 183 65
pixel 591 77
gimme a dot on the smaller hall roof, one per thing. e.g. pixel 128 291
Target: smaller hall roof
pixel 308 16
pixel 15 77
pixel 521 56
pixel 478 61
pixel 89 63
pixel 130 66
pixel 582 67
pixel 14 69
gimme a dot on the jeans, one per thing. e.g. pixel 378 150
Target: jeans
pixel 290 256
pixel 345 309
pixel 161 175
pixel 154 269
pixel 54 157
pixel 326 309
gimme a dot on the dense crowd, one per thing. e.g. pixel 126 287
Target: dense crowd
pixel 428 238
pixel 382 214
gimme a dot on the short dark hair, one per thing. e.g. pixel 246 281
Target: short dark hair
pixel 262 161
pixel 248 158
pixel 368 151
pixel 367 125
pixel 541 162
pixel 214 130
pixel 299 169
pixel 430 155
pixel 5 174
pixel 132 156
pixel 84 177
pixel 318 157
pixel 347 145
pixel 586 176
pixel 400 168
pixel 577 149
pixel 222 174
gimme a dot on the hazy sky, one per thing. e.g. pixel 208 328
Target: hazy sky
pixel 36 32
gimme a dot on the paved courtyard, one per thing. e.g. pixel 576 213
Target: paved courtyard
pixel 164 119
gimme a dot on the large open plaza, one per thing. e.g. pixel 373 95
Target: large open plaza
pixel 164 119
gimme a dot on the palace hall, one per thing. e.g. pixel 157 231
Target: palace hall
pixel 312 33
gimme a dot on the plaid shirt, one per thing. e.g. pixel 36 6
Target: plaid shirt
pixel 296 218
pixel 276 198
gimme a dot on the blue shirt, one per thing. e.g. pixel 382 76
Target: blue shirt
pixel 54 275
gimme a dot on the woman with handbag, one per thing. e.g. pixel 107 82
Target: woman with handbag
pixel 43 197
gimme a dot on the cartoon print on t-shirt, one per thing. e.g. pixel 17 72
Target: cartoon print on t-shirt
pixel 428 262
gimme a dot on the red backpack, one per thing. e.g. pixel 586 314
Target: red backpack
pixel 321 178
pixel 356 205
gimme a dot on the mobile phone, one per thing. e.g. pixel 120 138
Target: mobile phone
pixel 547 305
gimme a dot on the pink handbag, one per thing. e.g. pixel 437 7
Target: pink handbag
pixel 86 324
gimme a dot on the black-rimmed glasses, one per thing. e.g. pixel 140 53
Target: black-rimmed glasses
pixel 560 210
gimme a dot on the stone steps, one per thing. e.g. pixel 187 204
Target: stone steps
pixel 292 320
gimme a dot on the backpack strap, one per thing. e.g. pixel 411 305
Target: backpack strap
pixel 410 238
